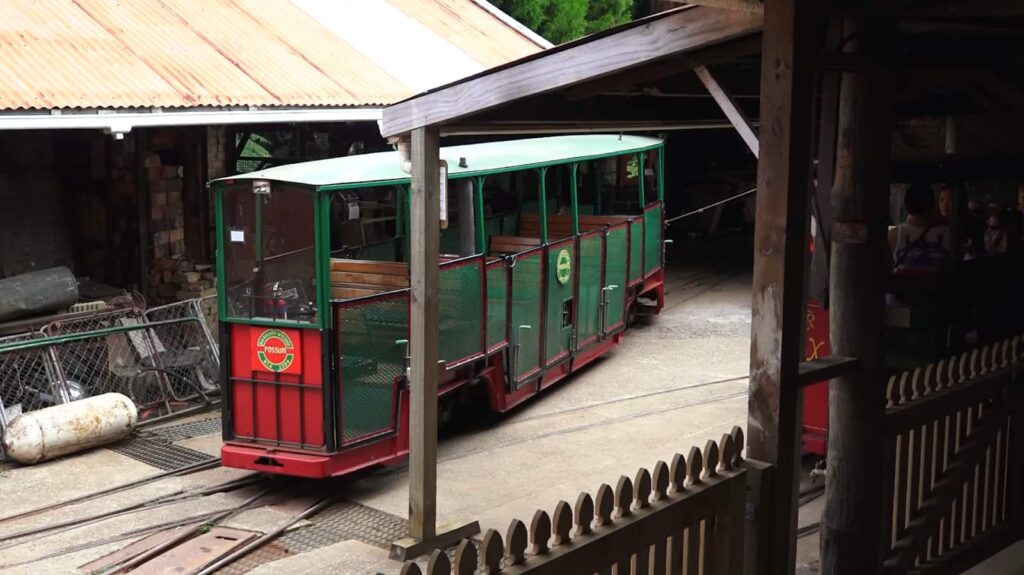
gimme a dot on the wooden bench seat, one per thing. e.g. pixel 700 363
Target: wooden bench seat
pixel 512 244
pixel 359 278
pixel 560 226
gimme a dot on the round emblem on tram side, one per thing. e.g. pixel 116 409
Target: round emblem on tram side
pixel 275 350
pixel 563 267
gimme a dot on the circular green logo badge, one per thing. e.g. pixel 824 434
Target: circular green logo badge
pixel 275 350
pixel 563 267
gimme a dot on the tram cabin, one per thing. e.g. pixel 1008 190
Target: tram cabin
pixel 549 246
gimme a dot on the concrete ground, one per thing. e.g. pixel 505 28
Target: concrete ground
pixel 677 380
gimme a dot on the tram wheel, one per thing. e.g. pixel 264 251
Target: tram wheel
pixel 446 409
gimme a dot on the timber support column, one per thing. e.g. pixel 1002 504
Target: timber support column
pixel 424 280
pixel 780 247
pixel 852 522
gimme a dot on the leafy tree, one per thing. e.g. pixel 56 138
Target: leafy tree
pixel 564 20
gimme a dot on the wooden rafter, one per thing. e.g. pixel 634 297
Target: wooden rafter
pixel 742 5
pixel 646 75
pixel 644 42
pixel 728 106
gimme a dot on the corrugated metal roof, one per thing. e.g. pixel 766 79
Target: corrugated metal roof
pixel 58 54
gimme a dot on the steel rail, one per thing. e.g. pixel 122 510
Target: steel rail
pixel 198 466
pixel 266 537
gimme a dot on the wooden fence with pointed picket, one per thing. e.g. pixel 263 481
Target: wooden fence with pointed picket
pixel 686 517
pixel 954 452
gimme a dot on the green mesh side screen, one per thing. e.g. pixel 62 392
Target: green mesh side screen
pixel 384 251
pixel 652 239
pixel 615 275
pixel 461 311
pixel 497 300
pixel 370 362
pixel 510 224
pixel 492 226
pixel 450 240
pixel 636 250
pixel 526 286
pixel 588 312
pixel 558 327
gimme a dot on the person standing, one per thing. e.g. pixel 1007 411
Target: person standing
pixel 921 245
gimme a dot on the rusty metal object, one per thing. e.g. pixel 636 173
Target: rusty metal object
pixel 47 433
pixel 37 293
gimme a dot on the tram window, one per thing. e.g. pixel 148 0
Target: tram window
pixel 609 186
pixel 269 257
pixel 650 176
pixel 558 188
pixel 505 196
pixel 365 223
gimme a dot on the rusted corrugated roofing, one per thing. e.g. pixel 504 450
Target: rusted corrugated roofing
pixel 58 54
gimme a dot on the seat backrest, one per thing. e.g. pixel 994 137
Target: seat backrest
pixel 560 226
pixel 358 278
pixel 512 244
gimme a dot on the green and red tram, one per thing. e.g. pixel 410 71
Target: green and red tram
pixel 549 245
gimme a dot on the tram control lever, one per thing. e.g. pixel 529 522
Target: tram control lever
pixel 604 306
pixel 515 350
pixel 408 359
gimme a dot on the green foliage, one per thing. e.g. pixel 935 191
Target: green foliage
pixel 564 20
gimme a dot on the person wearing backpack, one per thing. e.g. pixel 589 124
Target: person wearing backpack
pixel 922 245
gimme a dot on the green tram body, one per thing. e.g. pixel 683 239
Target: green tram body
pixel 550 244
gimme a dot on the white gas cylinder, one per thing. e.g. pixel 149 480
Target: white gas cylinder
pixel 43 434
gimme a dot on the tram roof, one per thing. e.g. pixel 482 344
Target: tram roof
pixel 490 157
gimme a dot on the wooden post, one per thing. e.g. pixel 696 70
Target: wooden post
pixel 851 524
pixel 423 318
pixel 780 245
pixel 424 280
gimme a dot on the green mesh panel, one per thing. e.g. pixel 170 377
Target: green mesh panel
pixel 461 303
pixel 370 362
pixel 588 308
pixel 526 285
pixel 497 298
pixel 652 240
pixel 510 224
pixel 615 275
pixel 558 335
pixel 381 252
pixel 450 241
pixel 492 226
pixel 636 250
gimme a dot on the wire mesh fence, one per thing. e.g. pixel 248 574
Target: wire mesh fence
pixel 165 360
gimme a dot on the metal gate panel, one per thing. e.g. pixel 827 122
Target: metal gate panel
pixel 615 277
pixel 558 323
pixel 527 323
pixel 497 304
pixel 652 238
pixel 636 251
pixel 461 317
pixel 588 306
pixel 371 363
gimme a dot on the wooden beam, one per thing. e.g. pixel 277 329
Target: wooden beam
pixel 851 532
pixel 578 127
pixel 729 108
pixel 780 246
pixel 826 368
pixel 744 5
pixel 887 9
pixel 642 42
pixel 424 279
pixel 650 73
